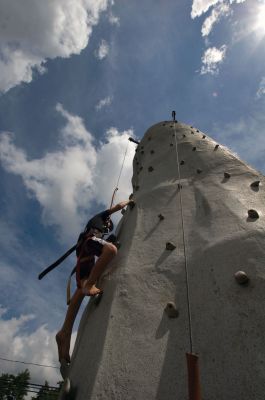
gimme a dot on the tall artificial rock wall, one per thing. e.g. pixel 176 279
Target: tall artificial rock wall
pixel 127 347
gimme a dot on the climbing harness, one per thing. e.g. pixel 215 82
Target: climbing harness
pixel 192 359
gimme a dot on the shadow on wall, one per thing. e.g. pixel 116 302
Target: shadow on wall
pixel 173 377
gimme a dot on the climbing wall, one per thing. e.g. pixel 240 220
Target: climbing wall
pixel 175 285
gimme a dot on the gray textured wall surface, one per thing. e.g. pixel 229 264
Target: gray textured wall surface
pixel 127 347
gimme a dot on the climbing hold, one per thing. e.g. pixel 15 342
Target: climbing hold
pixel 171 310
pixel 142 152
pixel 216 146
pixel 171 126
pixel 179 186
pixel 184 135
pixel 192 132
pixel 137 163
pixel 66 387
pixel 149 138
pixel 137 187
pixel 123 211
pixel 161 217
pixel 164 124
pixel 152 151
pixel 194 149
pixel 133 140
pixel 142 147
pixel 191 127
pixel 97 298
pixel 123 293
pixel 171 144
pixel 227 175
pixel 197 130
pixel 255 184
pixel 141 168
pixel 170 246
pixel 150 169
pixel 131 204
pixel 199 171
pixel 204 136
pixel 182 162
pixel 64 369
pixel 241 277
pixel 253 214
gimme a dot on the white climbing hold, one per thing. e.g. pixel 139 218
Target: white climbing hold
pixel 171 310
pixel 170 246
pixel 241 277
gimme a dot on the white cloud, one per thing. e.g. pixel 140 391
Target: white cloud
pixel 104 103
pixel 219 11
pixel 33 31
pixel 200 7
pixel 211 59
pixel 103 50
pixel 261 90
pixel 67 181
pixel 113 19
pixel 37 347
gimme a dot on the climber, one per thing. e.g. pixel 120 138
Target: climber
pixel 88 271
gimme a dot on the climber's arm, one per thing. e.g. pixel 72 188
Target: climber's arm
pixel 121 205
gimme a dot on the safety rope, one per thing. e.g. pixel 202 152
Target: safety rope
pixel 118 181
pixel 184 242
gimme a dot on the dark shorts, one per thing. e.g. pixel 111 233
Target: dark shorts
pixel 94 247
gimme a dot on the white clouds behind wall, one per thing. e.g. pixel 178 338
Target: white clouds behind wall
pixel 33 31
pixel 212 58
pixel 217 13
pixel 67 181
pixel 103 50
pixel 261 90
pixel 104 103
pixel 37 347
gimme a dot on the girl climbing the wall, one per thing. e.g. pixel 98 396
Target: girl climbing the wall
pixel 90 244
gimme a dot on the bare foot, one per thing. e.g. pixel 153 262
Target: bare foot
pixel 63 344
pixel 91 290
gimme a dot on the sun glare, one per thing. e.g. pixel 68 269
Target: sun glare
pixel 260 21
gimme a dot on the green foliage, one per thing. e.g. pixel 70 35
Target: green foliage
pixel 46 393
pixel 14 387
pixel 17 387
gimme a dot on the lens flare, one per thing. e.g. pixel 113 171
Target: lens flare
pixel 260 21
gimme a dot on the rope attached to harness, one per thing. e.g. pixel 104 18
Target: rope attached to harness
pixel 184 242
pixel 192 359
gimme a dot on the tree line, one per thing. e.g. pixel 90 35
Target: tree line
pixel 19 387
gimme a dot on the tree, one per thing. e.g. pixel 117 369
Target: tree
pixel 46 393
pixel 14 387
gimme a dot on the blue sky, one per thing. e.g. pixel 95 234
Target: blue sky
pixel 77 79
